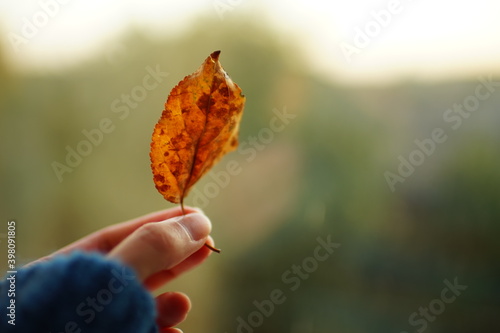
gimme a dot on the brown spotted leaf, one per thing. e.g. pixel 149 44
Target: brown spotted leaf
pixel 198 126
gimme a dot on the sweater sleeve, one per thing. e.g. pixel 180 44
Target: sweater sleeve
pixel 77 293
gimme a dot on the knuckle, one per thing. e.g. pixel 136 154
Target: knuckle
pixel 158 236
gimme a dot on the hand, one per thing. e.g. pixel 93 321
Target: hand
pixel 159 247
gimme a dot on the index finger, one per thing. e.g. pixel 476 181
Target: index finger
pixel 106 239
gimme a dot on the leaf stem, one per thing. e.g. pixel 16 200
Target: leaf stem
pixel 212 248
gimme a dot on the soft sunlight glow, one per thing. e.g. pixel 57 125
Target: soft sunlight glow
pixel 352 41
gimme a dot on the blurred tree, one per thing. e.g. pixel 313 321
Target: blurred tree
pixel 321 176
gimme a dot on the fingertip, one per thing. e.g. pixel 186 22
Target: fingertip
pixel 210 241
pixel 198 226
pixel 170 330
pixel 173 308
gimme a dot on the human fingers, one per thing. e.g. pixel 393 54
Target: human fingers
pixel 158 246
pixel 158 279
pixel 170 330
pixel 106 239
pixel 172 308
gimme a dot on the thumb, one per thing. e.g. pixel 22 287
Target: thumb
pixel 158 246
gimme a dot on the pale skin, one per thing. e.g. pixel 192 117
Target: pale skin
pixel 159 246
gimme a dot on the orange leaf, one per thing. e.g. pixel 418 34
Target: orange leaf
pixel 198 126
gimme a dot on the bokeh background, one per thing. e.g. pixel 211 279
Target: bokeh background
pixel 361 82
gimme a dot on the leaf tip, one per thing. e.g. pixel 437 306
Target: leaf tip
pixel 215 55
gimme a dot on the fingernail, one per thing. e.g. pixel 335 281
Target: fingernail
pixel 197 225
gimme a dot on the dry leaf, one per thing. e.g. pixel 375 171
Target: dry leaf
pixel 198 126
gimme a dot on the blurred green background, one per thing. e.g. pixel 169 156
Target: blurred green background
pixel 322 173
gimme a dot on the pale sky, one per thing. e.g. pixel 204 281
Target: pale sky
pixel 351 41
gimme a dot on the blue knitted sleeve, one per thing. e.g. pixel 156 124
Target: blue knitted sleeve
pixel 77 293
